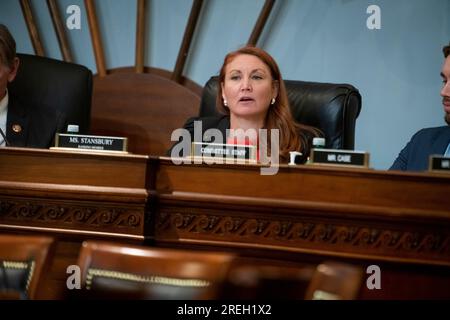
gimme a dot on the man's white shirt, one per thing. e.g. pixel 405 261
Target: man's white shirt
pixel 3 116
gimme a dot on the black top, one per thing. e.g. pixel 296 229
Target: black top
pixel 222 123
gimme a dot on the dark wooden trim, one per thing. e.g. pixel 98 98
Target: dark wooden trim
pixel 32 27
pixel 337 212
pixel 185 82
pixel 126 104
pixel 304 214
pixel 186 44
pixel 317 208
pixel 140 35
pixel 260 23
pixel 95 36
pixel 59 29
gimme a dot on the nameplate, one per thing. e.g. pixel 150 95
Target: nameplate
pixel 223 153
pixel 347 158
pixel 439 163
pixel 94 143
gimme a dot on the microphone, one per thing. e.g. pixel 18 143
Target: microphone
pixel 73 128
pixel 4 137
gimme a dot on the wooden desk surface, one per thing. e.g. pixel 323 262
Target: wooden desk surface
pixel 90 194
pixel 390 216
pixel 398 220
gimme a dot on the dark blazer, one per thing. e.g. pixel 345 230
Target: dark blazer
pixel 222 123
pixel 33 127
pixel 414 156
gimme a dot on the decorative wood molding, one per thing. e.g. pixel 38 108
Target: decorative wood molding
pixel 185 82
pixel 187 38
pixel 95 37
pixel 32 27
pixel 399 221
pixel 306 234
pixel 60 30
pixel 65 215
pixel 140 35
pixel 261 22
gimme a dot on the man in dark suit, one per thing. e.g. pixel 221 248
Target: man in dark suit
pixel 22 125
pixel 414 157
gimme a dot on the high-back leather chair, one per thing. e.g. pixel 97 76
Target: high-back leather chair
pixel 112 270
pixel 335 281
pixel 262 280
pixel 55 85
pixel 329 280
pixel 23 262
pixel 333 108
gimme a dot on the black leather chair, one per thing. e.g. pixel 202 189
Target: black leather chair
pixel 24 262
pixel 120 271
pixel 56 85
pixel 251 278
pixel 333 108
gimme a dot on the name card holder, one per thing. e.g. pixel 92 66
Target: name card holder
pixel 439 163
pixel 69 141
pixel 345 158
pixel 223 153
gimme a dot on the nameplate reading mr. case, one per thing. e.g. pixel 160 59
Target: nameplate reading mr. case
pixel 223 153
pixel 97 143
pixel 439 163
pixel 340 157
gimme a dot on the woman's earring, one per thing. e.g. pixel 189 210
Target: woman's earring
pixel 225 103
pixel 273 101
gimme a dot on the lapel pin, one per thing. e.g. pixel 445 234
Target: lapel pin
pixel 17 128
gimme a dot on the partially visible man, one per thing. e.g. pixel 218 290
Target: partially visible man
pixel 414 157
pixel 22 125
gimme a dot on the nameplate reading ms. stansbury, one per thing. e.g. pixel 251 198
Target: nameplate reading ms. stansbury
pixel 97 143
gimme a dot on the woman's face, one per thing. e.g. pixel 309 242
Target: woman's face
pixel 248 87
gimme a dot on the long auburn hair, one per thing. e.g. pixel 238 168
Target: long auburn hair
pixel 293 135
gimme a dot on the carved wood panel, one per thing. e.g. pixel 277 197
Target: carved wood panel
pixel 304 232
pixel 83 217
